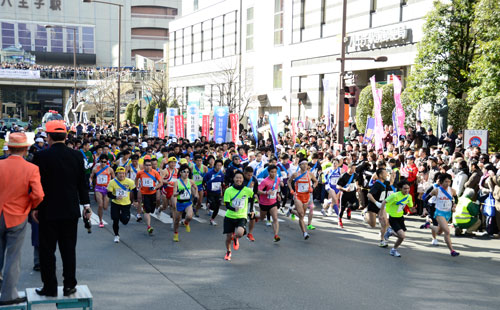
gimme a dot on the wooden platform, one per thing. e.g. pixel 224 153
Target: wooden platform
pixel 81 299
pixel 21 306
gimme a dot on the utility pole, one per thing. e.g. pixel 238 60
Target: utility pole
pixel 341 108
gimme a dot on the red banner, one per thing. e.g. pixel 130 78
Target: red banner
pixel 161 126
pixel 234 126
pixel 179 126
pixel 205 127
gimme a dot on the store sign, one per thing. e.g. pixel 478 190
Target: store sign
pixel 476 138
pixel 54 5
pixel 19 74
pixel 376 38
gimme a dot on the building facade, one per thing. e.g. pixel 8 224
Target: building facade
pixel 145 29
pixel 280 51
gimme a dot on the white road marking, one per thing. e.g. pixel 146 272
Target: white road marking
pixel 163 217
pixel 94 218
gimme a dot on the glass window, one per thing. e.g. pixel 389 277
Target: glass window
pixel 8 35
pixel 277 76
pixel 24 35
pixel 278 22
pixel 88 40
pixel 41 38
pixel 56 39
pixel 249 34
pixel 69 40
pixel 278 6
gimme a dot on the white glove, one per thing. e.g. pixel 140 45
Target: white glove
pixel 378 204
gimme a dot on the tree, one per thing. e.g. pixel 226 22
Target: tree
pixel 445 54
pixel 156 85
pixel 129 111
pixel 365 106
pixel 486 67
pixel 486 115
pixel 458 113
pixel 96 97
pixel 226 82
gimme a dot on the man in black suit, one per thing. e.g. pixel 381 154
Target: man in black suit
pixel 63 180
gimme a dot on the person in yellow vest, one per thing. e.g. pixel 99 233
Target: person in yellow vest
pixel 466 214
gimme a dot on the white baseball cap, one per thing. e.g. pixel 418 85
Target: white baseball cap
pixel 144 144
pixel 43 134
pixel 39 140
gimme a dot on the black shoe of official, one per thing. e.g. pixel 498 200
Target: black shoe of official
pixel 13 301
pixel 69 291
pixel 36 267
pixel 45 292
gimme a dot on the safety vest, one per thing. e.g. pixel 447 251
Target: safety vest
pixel 462 215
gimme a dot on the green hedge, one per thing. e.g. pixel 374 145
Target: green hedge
pixel 486 115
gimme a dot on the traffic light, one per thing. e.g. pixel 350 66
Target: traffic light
pixel 351 95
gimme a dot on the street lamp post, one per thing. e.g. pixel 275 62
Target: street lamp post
pixel 119 54
pixel 342 59
pixel 74 58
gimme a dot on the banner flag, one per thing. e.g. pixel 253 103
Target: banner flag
pixel 161 126
pixel 370 130
pixel 252 116
pixel 193 116
pixel 155 124
pixel 400 112
pixel 205 127
pixel 377 107
pixel 395 132
pixel 273 124
pixel 171 113
pixel 221 115
pixel 234 126
pixel 179 126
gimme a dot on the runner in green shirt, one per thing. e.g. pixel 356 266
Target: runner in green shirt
pixel 394 206
pixel 236 200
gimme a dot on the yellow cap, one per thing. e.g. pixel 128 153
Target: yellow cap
pixel 183 161
pixel 120 169
pixel 172 159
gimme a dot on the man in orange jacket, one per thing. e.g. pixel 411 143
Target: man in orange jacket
pixel 20 191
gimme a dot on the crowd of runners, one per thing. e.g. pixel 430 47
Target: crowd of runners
pixel 436 179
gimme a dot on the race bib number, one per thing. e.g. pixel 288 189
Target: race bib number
pixel 272 195
pixel 102 179
pixel 197 178
pixel 185 195
pixel 401 207
pixel 120 193
pixel 382 196
pixel 447 205
pixel 333 181
pixel 216 186
pixel 303 188
pixel 172 181
pixel 238 204
pixel 283 174
pixel 147 182
pixel 352 187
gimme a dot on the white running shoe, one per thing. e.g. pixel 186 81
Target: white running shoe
pixel 323 212
pixel 306 236
pixel 213 223
pixel 117 239
pixel 268 223
pixel 383 244
pixel 435 242
pixel 395 253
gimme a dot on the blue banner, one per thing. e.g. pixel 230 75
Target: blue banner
pixel 370 131
pixel 154 133
pixel 253 117
pixel 273 124
pixel 221 116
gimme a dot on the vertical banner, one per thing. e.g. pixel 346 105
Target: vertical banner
pixel 179 126
pixel 400 112
pixel 154 133
pixel 150 128
pixel 171 113
pixel 193 116
pixel 273 124
pixel 233 117
pixel 205 126
pixel 377 107
pixel 294 131
pixel 370 130
pixel 221 115
pixel 253 117
pixel 395 132
pixel 327 102
pixel 161 126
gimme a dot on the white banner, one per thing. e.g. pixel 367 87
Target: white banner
pixel 193 119
pixel 474 138
pixel 19 74
pixel 171 113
